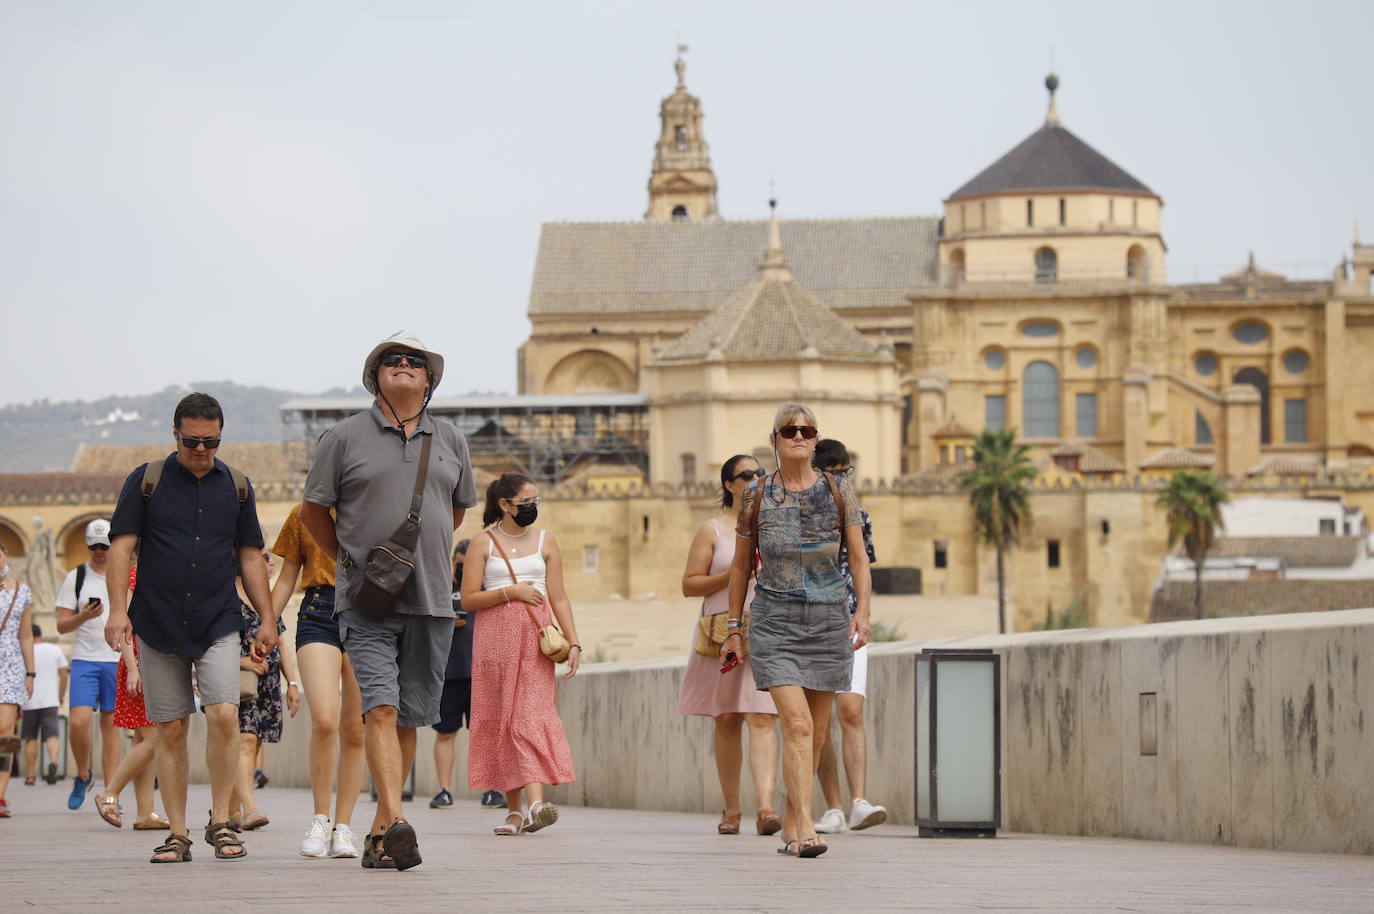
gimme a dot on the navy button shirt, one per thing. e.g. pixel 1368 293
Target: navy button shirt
pixel 185 599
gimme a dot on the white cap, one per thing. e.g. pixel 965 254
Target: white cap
pixel 98 532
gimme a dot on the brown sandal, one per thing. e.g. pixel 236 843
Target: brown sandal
pixel 767 822
pixel 107 806
pixel 374 856
pixel 180 845
pixel 223 836
pixel 729 824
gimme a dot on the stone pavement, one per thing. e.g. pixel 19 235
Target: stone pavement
pixel 52 859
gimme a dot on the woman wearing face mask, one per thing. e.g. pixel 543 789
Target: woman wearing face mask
pixel 517 742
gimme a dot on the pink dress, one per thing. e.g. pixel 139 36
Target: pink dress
pixel 705 689
pixel 516 735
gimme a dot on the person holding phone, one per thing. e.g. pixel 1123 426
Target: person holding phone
pixel 83 607
pixel 802 637
pixel 708 686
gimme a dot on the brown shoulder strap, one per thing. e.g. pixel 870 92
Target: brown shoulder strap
pixel 839 502
pixel 14 598
pixel 754 512
pixel 491 535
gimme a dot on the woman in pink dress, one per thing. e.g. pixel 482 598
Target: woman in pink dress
pixel 517 742
pixel 731 700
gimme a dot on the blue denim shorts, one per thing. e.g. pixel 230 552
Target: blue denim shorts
pixel 316 623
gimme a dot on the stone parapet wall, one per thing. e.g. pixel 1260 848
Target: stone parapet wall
pixel 1262 739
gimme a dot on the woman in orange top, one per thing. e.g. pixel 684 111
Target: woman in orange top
pixel 336 720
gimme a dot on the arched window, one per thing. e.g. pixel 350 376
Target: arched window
pixel 1040 400
pixel 1260 381
pixel 1046 265
pixel 1202 432
pixel 680 137
pixel 679 213
pixel 1136 267
pixel 689 468
pixel 956 265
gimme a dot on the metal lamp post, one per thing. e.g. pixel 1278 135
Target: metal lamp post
pixel 958 744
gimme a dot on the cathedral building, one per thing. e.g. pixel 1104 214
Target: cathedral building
pixel 1039 300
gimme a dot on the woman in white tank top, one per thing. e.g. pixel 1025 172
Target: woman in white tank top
pixel 517 742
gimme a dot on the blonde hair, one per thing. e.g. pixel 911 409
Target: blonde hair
pixel 791 410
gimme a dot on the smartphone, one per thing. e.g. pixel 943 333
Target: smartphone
pixel 731 661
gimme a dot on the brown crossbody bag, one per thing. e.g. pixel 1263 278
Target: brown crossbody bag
pixel 712 630
pixel 552 642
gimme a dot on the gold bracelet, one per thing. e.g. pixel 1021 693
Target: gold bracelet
pixel 504 598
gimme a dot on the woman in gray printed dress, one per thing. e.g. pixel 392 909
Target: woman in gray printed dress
pixel 801 635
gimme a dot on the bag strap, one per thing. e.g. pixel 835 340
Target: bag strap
pixel 13 600
pixel 839 502
pixel 491 535
pixel 152 475
pixel 408 534
pixel 80 582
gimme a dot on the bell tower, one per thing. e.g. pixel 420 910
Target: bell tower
pixel 682 186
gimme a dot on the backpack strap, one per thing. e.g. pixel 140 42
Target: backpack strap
pixel 80 582
pixel 839 502
pixel 152 475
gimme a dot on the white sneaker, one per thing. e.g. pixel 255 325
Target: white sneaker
pixel 865 815
pixel 344 842
pixel 831 822
pixel 316 843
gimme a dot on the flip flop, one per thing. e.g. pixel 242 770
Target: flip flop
pixel 812 847
pixel 786 850
pixel 108 808
pixel 258 821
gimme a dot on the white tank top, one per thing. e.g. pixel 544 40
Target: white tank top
pixel 529 569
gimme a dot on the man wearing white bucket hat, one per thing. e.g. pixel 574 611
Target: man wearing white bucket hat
pixel 394 600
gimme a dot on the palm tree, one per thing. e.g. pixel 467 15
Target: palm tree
pixel 1192 502
pixel 998 486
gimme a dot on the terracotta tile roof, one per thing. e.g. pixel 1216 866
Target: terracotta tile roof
pixel 1090 460
pixel 1178 458
pixel 941 472
pixel 684 267
pixel 263 461
pixel 1258 598
pixel 1296 551
pixel 1051 158
pixel 770 321
pixel 1286 466
pixel 59 488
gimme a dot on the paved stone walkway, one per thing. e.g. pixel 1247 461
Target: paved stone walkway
pixel 52 859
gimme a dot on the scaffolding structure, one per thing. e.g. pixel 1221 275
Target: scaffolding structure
pixel 548 437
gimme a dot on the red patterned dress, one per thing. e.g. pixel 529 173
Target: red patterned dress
pixel 516 737
pixel 129 712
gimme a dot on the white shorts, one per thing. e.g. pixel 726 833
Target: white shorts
pixel 859 683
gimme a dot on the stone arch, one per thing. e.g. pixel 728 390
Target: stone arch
pixel 12 536
pixel 71 540
pixel 1046 264
pixel 1137 264
pixel 1040 400
pixel 1260 381
pixel 956 265
pixel 590 371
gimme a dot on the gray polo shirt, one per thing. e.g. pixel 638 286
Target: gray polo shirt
pixel 365 469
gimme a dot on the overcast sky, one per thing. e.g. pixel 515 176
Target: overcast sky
pixel 259 191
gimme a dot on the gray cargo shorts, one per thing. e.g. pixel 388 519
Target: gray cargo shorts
pixel 399 662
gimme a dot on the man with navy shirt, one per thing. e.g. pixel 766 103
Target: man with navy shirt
pixel 195 522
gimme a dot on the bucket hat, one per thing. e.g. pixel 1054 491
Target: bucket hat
pixel 408 340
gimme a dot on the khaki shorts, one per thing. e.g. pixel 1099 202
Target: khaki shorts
pixel 399 662
pixel 167 691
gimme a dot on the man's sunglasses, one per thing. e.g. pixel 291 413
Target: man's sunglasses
pixel 392 359
pixel 748 475
pixel 791 431
pixel 192 443
pixel 100 546
pixel 842 471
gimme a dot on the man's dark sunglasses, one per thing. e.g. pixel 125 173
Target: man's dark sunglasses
pixel 191 443
pixel 100 546
pixel 392 359
pixel 790 431
pixel 748 475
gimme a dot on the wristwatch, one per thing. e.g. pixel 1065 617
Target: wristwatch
pixel 293 683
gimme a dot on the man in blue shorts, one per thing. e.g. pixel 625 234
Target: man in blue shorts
pixel 83 607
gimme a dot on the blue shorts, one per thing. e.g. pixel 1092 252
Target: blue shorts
pixel 93 685
pixel 316 623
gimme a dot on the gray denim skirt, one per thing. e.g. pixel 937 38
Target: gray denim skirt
pixel 802 644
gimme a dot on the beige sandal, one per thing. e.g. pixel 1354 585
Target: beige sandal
pixel 107 805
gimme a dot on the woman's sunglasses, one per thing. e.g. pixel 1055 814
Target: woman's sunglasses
pixel 791 431
pixel 748 475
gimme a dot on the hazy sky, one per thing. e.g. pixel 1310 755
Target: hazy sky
pixel 260 191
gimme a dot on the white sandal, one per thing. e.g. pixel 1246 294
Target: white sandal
pixel 506 828
pixel 542 815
